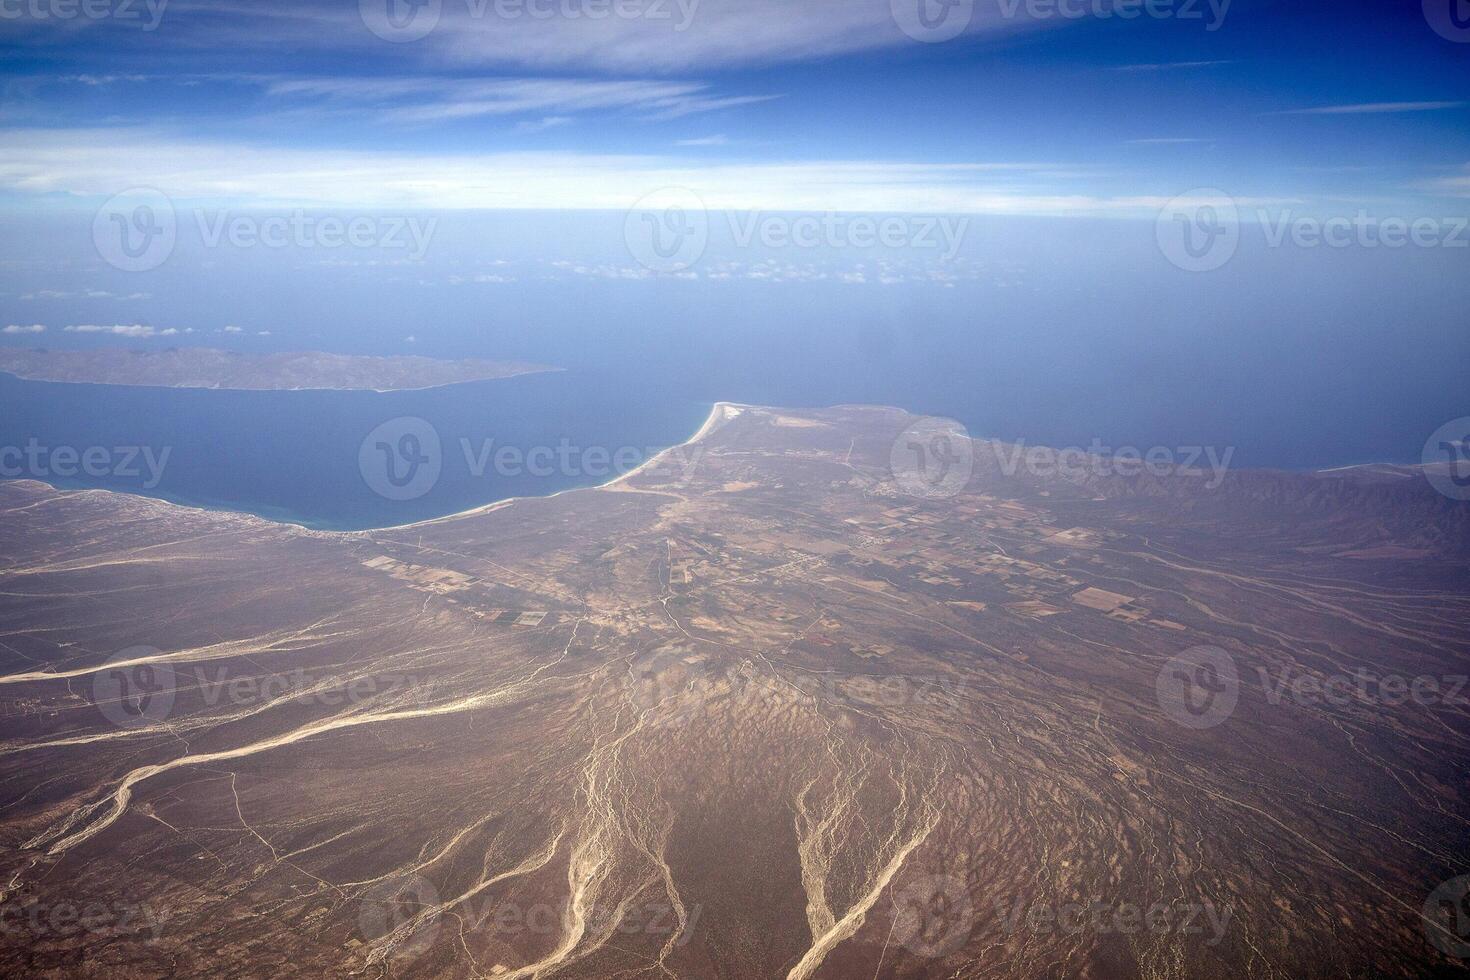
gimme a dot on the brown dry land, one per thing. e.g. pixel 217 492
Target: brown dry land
pixel 778 720
pixel 203 367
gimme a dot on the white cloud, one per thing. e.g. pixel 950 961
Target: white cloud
pixel 233 329
pixel 1371 107
pixel 99 80
pixel 419 99
pixel 487 277
pixel 1457 185
pixel 717 140
pixel 66 161
pixel 1171 65
pixel 543 124
pixel 84 294
pixel 674 35
pixel 137 330
pixel 17 328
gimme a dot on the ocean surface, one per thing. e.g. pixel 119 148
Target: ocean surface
pixel 1047 331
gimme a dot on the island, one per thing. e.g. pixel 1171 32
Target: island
pixel 777 705
pixel 204 367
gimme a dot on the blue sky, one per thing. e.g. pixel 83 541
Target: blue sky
pixel 776 104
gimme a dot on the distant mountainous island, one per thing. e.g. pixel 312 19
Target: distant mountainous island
pixel 203 367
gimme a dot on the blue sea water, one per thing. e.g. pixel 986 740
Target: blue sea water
pixel 1050 331
pixel 299 456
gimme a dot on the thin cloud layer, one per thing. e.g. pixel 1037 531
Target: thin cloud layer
pixel 631 35
pixel 51 161
pixel 421 99
pixel 1372 108
pixel 678 35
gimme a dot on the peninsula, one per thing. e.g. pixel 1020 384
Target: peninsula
pixel 204 367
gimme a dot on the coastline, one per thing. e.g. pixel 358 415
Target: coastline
pixel 720 413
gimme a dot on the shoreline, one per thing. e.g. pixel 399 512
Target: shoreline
pixel 718 416
pixel 720 413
